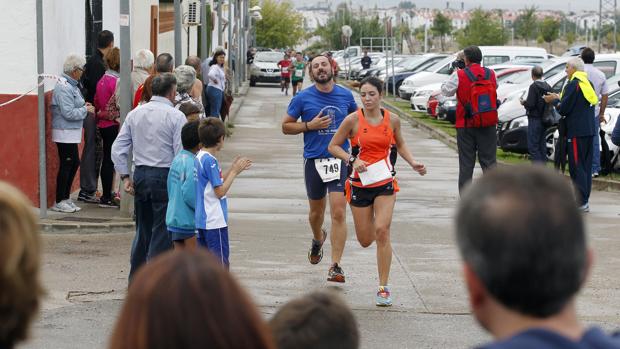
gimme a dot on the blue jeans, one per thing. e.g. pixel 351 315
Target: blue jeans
pixel 536 144
pixel 215 96
pixel 596 150
pixel 151 202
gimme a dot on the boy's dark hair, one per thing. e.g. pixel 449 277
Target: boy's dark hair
pixel 317 320
pixel 189 108
pixel 521 233
pixel 473 54
pixel 189 135
pixel 587 54
pixel 374 81
pixel 163 83
pixel 210 131
pixel 104 38
pixel 537 72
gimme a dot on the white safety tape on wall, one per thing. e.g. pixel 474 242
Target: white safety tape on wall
pixel 43 77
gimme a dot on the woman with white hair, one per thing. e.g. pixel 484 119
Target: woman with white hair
pixel 186 76
pixel 142 66
pixel 68 112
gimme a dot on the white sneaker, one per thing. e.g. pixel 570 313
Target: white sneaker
pixel 72 204
pixel 63 206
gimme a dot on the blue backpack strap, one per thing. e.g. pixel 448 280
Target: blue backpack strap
pixel 487 73
pixel 470 75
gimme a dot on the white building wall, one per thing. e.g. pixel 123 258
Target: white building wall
pixel 18 44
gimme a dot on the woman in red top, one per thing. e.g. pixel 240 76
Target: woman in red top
pixel 371 185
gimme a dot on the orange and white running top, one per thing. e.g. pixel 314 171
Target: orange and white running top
pixel 374 143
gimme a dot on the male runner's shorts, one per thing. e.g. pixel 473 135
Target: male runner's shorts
pixel 316 189
pixel 286 79
pixel 364 197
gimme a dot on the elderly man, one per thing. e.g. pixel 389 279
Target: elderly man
pixel 525 257
pixel 154 133
pixel 186 78
pixel 164 63
pixel 142 67
pixel 576 104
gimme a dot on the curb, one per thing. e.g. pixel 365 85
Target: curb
pixel 597 183
pixel 56 227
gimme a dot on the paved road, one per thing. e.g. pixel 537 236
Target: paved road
pixel 86 274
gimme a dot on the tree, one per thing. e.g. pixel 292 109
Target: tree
pixel 331 33
pixel 281 25
pixel 442 26
pixel 526 24
pixel 550 30
pixel 407 5
pixel 570 38
pixel 481 30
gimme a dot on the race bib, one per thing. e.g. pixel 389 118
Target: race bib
pixel 375 173
pixel 299 73
pixel 328 169
pixel 285 69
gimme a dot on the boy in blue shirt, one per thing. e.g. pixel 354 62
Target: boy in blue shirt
pixel 182 190
pixel 211 188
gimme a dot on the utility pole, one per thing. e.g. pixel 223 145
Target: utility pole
pixel 606 7
pixel 204 53
pixel 177 33
pixel 41 114
pixel 125 89
pixel 219 23
pixel 230 44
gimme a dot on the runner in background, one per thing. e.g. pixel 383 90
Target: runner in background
pixel 285 66
pixel 299 71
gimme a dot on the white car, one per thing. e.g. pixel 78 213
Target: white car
pixel 420 97
pixel 265 67
pixel 437 73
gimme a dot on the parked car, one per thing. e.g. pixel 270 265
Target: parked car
pixel 265 67
pixel 433 102
pixel 376 57
pixel 407 68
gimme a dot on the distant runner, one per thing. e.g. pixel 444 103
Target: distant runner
pixel 285 66
pixel 299 71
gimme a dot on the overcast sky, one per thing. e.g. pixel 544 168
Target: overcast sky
pixel 563 5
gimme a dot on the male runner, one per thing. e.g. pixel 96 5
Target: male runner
pixel 322 107
pixel 285 66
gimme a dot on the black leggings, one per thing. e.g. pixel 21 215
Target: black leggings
pixel 108 135
pixel 69 163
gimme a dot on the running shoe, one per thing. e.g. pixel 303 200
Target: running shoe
pixel 63 207
pixel 335 273
pixel 316 250
pixel 90 198
pixel 108 203
pixel 72 204
pixel 584 208
pixel 384 298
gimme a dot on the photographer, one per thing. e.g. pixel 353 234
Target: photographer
pixel 476 118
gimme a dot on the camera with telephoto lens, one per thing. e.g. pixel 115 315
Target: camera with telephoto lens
pixel 458 64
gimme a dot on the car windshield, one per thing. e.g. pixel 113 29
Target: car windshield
pixel 517 78
pixel 410 63
pixel 433 68
pixel 269 57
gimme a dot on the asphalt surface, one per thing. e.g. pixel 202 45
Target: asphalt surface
pixel 85 274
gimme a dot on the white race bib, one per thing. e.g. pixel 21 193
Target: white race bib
pixel 285 69
pixel 299 73
pixel 375 173
pixel 328 169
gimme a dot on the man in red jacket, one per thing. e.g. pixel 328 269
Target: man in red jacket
pixel 476 133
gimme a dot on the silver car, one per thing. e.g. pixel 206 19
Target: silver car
pixel 265 67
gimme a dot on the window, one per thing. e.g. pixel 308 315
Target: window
pixel 607 67
pixel 614 100
pixel 446 70
pixel 557 87
pixel 492 60
pixel 533 58
pixel 553 70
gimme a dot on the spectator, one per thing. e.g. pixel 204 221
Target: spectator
pixel 577 106
pixel 317 320
pixel 163 64
pixel 366 60
pixel 217 83
pixel 154 133
pixel 476 133
pixel 91 157
pixel 142 68
pixel 68 113
pixel 186 77
pixel 534 108
pixel 187 300
pixel 196 91
pixel 108 122
pixel 599 83
pixel 191 110
pixel 525 258
pixel 20 250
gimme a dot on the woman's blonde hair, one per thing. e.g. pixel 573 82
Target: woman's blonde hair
pixel 20 285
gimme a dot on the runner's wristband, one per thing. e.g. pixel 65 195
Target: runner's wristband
pixel 307 128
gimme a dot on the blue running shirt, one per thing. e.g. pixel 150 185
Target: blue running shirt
pixel 211 211
pixel 308 103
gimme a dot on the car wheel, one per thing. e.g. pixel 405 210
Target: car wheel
pixel 550 143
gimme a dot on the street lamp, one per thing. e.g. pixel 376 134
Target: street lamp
pixel 257 16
